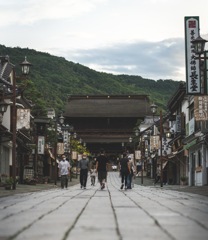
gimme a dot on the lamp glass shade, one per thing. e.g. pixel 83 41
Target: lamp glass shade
pixel 61 119
pixel 25 67
pixel 153 108
pixel 199 45
pixel 137 132
pixel 3 107
pixel 168 134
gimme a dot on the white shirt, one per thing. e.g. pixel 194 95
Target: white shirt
pixel 64 167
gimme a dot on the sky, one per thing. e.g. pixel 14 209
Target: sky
pixel 134 37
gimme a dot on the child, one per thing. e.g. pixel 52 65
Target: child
pixel 93 175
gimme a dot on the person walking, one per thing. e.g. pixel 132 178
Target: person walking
pixel 124 170
pixel 64 171
pixel 132 172
pixel 101 168
pixel 84 168
pixel 93 175
pixel 158 175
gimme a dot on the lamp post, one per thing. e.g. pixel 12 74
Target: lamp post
pixel 66 130
pixel 25 71
pixel 199 49
pixel 161 159
pixel 153 108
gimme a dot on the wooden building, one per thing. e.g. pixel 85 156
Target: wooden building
pixel 106 121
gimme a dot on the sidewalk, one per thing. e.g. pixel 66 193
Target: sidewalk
pixel 201 190
pixel 24 188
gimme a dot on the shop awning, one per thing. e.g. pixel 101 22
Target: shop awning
pixel 187 146
pixel 175 153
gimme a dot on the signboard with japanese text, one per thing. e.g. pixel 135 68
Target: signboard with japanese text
pixel 206 72
pixel 191 126
pixel 23 118
pixel 51 113
pixel 60 148
pixel 138 155
pixel 178 123
pixel 166 149
pixel 201 108
pixel 41 144
pixel 74 155
pixel 193 81
pixel 154 142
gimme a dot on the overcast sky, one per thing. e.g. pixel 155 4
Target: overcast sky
pixel 134 37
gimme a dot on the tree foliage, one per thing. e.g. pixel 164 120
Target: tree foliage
pixel 53 78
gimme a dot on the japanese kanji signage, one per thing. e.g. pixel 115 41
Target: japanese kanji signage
pixel 41 144
pixel 206 72
pixel 192 64
pixel 138 155
pixel 60 148
pixel 201 108
pixel 178 123
pixel 154 142
pixel 166 150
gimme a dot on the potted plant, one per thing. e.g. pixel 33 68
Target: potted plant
pixel 184 180
pixel 30 181
pixel 8 183
pixel 4 176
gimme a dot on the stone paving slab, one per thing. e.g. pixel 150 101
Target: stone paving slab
pixel 144 212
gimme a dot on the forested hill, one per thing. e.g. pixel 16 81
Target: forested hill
pixel 53 78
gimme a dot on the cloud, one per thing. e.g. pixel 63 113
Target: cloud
pixel 154 60
pixel 31 11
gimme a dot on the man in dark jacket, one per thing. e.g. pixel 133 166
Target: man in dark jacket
pixel 101 168
pixel 124 170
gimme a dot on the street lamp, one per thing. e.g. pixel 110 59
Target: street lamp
pixel 153 108
pixel 199 45
pixel 25 71
pixel 199 49
pixel 3 109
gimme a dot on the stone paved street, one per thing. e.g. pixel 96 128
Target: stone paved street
pixel 145 212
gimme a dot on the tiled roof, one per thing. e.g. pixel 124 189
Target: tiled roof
pixel 107 106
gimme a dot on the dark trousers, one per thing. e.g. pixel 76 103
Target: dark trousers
pixel 83 177
pixel 129 180
pixel 124 178
pixel 102 175
pixel 64 181
pixel 93 180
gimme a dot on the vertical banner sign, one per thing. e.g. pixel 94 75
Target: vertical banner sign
pixel 206 72
pixel 178 123
pixel 193 81
pixel 154 142
pixel 74 155
pixel 60 148
pixel 166 150
pixel 23 118
pixel 41 144
pixel 201 108
pixel 138 155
